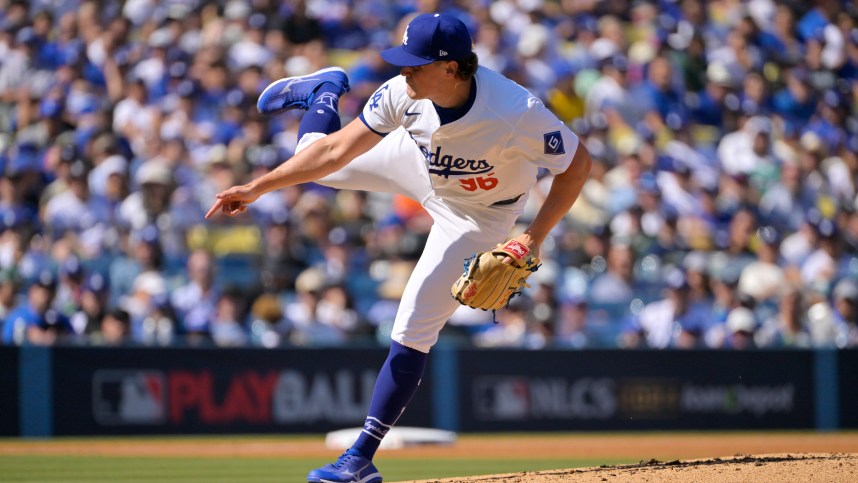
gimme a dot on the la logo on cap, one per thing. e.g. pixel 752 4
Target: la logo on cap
pixel 429 38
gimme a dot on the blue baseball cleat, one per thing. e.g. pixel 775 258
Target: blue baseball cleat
pixel 298 92
pixel 349 468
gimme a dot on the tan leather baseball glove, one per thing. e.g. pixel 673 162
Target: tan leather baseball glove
pixel 488 283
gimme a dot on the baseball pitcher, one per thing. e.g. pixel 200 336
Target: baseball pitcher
pixel 466 143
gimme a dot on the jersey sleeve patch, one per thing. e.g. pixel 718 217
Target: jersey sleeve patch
pixel 377 97
pixel 382 112
pixel 554 143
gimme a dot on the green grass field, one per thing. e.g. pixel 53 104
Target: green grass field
pixel 55 469
pixel 82 459
pixel 257 458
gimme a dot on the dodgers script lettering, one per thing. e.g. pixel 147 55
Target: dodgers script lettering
pixel 447 165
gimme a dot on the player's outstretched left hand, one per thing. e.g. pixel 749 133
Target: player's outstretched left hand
pixel 232 201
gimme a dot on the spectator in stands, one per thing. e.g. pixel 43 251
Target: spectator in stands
pixel 22 70
pixel 850 228
pixel 845 304
pixel 787 328
pixel 152 202
pixel 393 277
pixel 489 47
pixel 570 328
pixel 9 285
pixel 660 103
pixel 820 267
pixel 614 286
pixel 516 328
pixel 58 161
pixel 764 277
pixel 782 204
pixel 134 118
pixel 147 304
pixel 611 91
pixel 88 318
pixel 268 328
pixel 740 234
pixel 812 153
pixel 109 180
pixel 347 33
pixel 336 309
pixel 724 281
pixel 748 149
pixel 795 103
pixel 303 312
pixel 705 120
pixel 141 252
pixel 70 286
pixel 227 323
pixel 741 329
pixel 368 72
pixel 543 295
pixel 649 213
pixel 196 302
pixel 299 28
pixel 737 55
pixel 695 69
pixel 673 321
pixel 35 322
pixel 114 329
pixel 779 40
pixel 708 106
pixel 283 256
pixel 22 184
pixel 755 98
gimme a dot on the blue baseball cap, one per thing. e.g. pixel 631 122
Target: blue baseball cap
pixel 428 38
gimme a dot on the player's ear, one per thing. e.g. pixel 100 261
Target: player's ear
pixel 451 68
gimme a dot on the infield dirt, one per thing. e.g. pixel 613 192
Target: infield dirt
pixel 788 468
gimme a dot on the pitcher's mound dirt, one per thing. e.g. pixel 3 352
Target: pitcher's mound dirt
pixel 804 467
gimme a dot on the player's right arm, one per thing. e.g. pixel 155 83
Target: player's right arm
pixel 321 158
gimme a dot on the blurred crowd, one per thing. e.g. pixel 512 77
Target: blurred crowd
pixel 721 210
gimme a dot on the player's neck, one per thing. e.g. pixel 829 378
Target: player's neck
pixel 455 96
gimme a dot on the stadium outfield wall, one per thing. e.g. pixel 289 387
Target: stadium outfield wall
pixel 63 391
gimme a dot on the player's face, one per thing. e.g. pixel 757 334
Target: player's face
pixel 424 81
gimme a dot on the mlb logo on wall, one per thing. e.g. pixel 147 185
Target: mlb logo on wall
pixel 128 397
pixel 502 398
pixel 554 143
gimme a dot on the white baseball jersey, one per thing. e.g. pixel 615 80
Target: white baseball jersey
pixel 490 154
pixel 456 171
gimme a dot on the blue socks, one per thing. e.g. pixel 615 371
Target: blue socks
pixel 396 384
pixel 322 116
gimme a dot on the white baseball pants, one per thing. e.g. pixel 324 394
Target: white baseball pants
pixel 460 229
